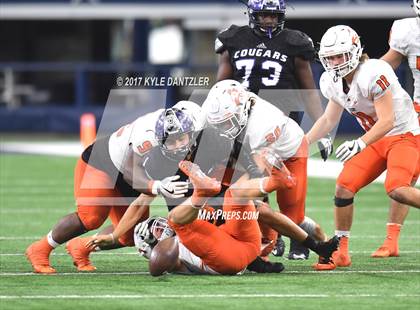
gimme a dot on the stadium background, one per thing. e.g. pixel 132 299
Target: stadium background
pixel 60 59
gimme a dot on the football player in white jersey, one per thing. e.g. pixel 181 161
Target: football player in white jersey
pixel 201 247
pixel 108 177
pixel 265 130
pixel 369 90
pixel 404 42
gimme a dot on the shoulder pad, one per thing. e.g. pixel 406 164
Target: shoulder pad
pixel 225 37
pixel 228 33
pixel 300 44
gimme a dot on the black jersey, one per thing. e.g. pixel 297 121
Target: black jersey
pixel 210 149
pixel 263 63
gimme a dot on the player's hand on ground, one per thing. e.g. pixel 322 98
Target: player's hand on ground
pixel 100 240
pixel 171 188
pixel 349 148
pixel 325 147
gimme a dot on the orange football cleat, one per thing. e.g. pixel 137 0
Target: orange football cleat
pixel 341 259
pixel 204 186
pixel 324 264
pixel 38 254
pixel 80 254
pixel 390 246
pixel 386 250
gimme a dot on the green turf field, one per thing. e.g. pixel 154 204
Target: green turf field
pixel 35 191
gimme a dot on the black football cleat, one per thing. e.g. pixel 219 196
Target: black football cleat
pixel 261 266
pixel 325 249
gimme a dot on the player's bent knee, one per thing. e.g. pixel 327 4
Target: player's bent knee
pixel 164 257
pixel 343 192
pixel 398 195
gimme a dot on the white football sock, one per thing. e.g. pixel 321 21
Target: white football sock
pixel 342 233
pixel 51 241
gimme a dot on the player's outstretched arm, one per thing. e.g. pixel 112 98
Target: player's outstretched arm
pixel 326 122
pixel 130 218
pixel 306 81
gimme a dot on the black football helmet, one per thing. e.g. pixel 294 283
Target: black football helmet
pixel 261 7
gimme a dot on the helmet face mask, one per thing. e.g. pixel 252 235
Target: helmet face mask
pixel 340 51
pixel 257 9
pixel 174 133
pixel 416 7
pixel 229 128
pixel 160 229
pixel 227 108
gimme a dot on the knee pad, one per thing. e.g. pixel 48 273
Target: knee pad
pixel 343 202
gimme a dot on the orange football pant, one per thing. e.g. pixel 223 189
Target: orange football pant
pixel 97 198
pixel 228 248
pixel 399 155
pixel 292 201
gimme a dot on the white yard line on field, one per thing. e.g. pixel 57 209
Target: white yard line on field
pixel 333 272
pixel 193 296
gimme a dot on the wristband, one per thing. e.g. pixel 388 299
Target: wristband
pixel 155 188
pixel 262 186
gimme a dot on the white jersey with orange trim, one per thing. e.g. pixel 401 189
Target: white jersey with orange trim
pixel 405 39
pixel 269 127
pixel 137 137
pixel 370 82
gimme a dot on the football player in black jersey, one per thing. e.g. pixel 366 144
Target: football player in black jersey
pixel 266 56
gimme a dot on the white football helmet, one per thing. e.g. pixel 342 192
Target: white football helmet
pixel 416 7
pixel 227 106
pixel 336 41
pixel 194 111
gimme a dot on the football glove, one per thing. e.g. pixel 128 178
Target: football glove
pixel 142 233
pixel 145 249
pixel 325 147
pixel 170 188
pixel 349 148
